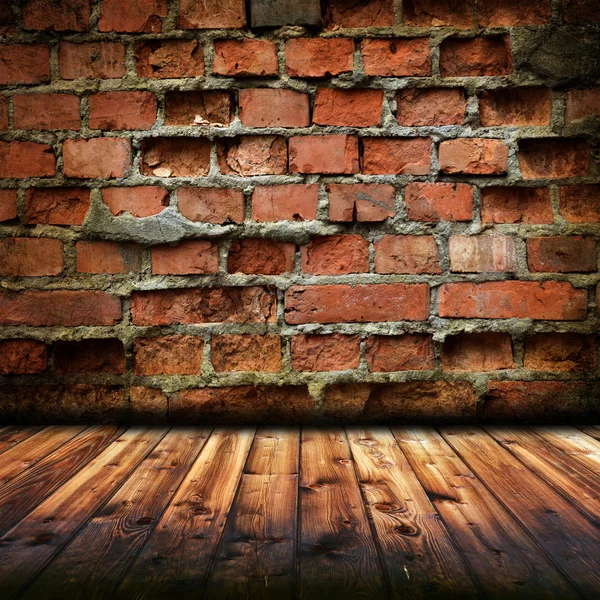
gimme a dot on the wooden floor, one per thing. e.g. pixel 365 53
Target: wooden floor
pixel 110 512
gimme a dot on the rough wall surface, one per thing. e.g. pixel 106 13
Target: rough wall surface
pixel 394 215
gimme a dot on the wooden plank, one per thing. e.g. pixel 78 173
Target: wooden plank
pixel 29 488
pixel 503 558
pixel 176 558
pixel 574 443
pixel 12 435
pixel 31 543
pixel 258 551
pixel 337 552
pixel 418 555
pixel 94 563
pixel 563 533
pixel 592 430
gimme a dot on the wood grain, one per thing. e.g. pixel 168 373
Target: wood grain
pixel 12 435
pixel 574 443
pixel 274 451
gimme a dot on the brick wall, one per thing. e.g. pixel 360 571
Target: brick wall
pixel 393 214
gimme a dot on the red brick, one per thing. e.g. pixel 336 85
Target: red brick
pixel 474 156
pixel 22 357
pixel 431 202
pixel 431 107
pixel 46 111
pixel 183 108
pixel 582 104
pixel 356 304
pixel 136 17
pixel 189 257
pixel 273 108
pixel 168 355
pixel 203 305
pixel 245 58
pixel 175 157
pixel 580 203
pixel 332 352
pixel 63 307
pixel 166 59
pixel 394 57
pixel 148 405
pixel 327 154
pixel 246 353
pixel 508 13
pixel 561 254
pixel 516 205
pixel 3 113
pixel 580 12
pixel 361 202
pixel 7 19
pixel 285 203
pixel 518 107
pixel 8 205
pixel 396 156
pixel 482 254
pixel 211 205
pixel 477 352
pixel 26 159
pixel 407 254
pixel 545 300
pixel 319 57
pixel 108 257
pixel 476 57
pixel 373 13
pixel 553 158
pixel 57 15
pixel 348 108
pixel 438 13
pixel 30 257
pixel 24 63
pixel 336 255
pixel 56 206
pixel 261 257
pixel 137 201
pixel 410 352
pixel 212 14
pixel 92 60
pixel 90 356
pixel 122 110
pixel 252 155
pixel 96 158
pixel 560 352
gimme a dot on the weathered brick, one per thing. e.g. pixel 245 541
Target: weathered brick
pixel 134 17
pixel 431 202
pixel 137 201
pixel 184 108
pixel 431 107
pixel 46 111
pixel 276 13
pixel 166 59
pixel 582 104
pixel 203 305
pixel 148 405
pixel 508 13
pixel 396 156
pixel 22 357
pixel 476 57
pixel 212 14
pixel 56 206
pixel 30 257
pixel 407 254
pixel 90 356
pixel 561 254
pixel 108 257
pixel 122 110
pixel 256 256
pixel 175 157
pixel 580 12
pixel 26 159
pixel 246 353
pixel 394 57
pixel 438 13
pixel 560 352
pixel 274 108
pixel 336 255
pixel 211 205
pixel 361 202
pixel 477 352
pixel 3 113
pixel 57 15
pixel 24 63
pixel 409 352
pixel 96 158
pixel 348 108
pixel 92 60
pixel 245 58
pixel 70 308
pixel 332 352
pixel 482 254
pixel 285 203
pixel 545 300
pixel 327 154
pixel 373 13
pixel 8 205
pixel 516 205
pixel 519 107
pixel 580 203
pixel 359 304
pixel 252 155
pixel 168 355
pixel 189 257
pixel 319 57
pixel 473 156
pixel 553 158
